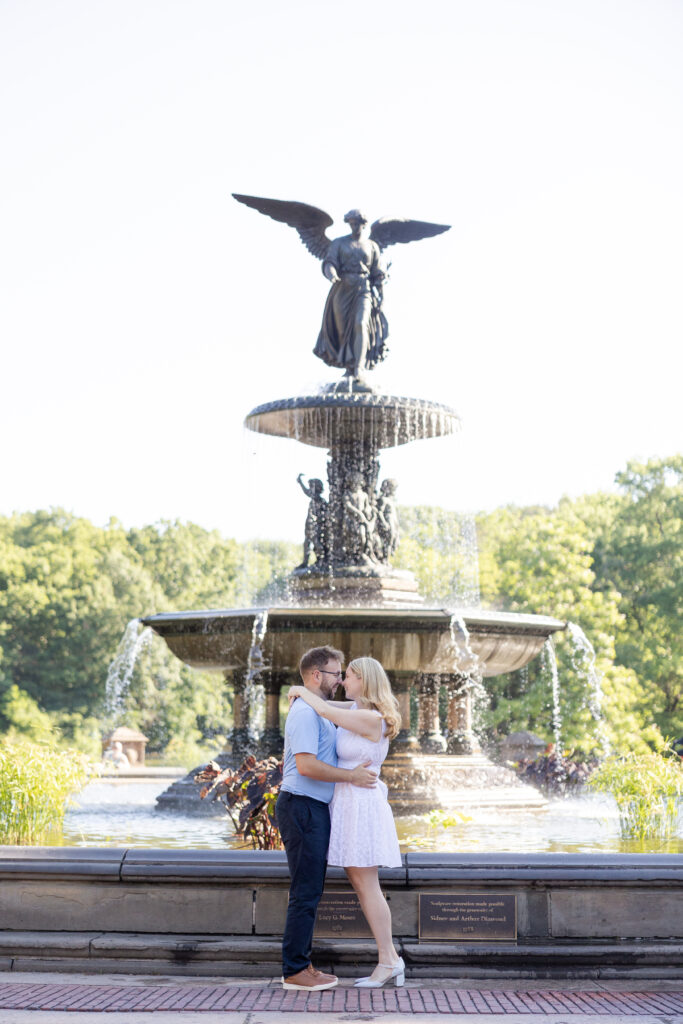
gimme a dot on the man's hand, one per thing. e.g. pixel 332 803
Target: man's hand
pixel 362 776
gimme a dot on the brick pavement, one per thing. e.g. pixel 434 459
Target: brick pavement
pixel 273 999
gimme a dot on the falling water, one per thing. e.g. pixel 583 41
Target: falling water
pixel 584 662
pixel 550 660
pixel 523 676
pixel 254 693
pixel 120 671
pixel 465 660
pixel 467 593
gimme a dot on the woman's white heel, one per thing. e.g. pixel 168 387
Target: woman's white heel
pixel 398 974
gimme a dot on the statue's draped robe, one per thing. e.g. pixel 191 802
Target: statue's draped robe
pixel 354 329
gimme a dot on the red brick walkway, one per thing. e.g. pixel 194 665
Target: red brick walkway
pixel 110 998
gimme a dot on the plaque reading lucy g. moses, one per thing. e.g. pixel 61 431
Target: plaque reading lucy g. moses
pixel 340 915
pixel 448 916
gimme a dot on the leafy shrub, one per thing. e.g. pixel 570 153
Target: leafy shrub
pixel 249 795
pixel 556 773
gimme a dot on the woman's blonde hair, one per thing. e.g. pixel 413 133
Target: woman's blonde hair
pixel 376 692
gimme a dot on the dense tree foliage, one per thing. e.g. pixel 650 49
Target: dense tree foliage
pixel 611 563
pixel 67 590
pixel 641 556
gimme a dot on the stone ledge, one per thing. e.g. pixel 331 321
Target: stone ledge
pixel 264 866
pixel 183 947
pixel 62 862
pixel 594 955
pixel 556 868
pixel 40 943
pixel 260 957
pixel 168 966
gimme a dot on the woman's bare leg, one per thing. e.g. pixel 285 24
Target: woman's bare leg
pixel 365 881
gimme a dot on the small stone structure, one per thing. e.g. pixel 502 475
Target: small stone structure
pixel 522 746
pixel 132 741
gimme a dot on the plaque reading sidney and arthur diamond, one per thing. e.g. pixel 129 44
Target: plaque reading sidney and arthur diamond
pixel 445 915
pixel 340 916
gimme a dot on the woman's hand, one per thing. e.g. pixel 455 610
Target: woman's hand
pixel 294 692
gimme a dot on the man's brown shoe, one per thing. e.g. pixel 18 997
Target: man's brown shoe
pixel 309 980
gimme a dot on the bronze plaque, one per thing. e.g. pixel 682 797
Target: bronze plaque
pixel 469 916
pixel 340 916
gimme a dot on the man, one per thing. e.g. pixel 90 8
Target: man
pixel 303 816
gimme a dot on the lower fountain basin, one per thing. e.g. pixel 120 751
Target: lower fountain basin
pixel 402 639
pixel 410 643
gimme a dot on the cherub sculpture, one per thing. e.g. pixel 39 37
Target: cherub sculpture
pixel 315 531
pixel 358 524
pixel 387 520
pixel 354 329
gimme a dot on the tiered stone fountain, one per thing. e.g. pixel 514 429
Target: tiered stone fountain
pixel 346 593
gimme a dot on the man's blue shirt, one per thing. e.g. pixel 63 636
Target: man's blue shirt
pixel 308 733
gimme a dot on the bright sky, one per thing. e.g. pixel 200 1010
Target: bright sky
pixel 144 312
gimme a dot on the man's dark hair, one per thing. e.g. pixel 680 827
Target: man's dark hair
pixel 318 657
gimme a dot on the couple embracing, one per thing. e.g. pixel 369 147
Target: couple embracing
pixel 333 807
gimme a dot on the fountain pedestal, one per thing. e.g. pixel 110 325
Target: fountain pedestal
pixel 461 736
pixel 271 740
pixel 429 737
pixel 374 587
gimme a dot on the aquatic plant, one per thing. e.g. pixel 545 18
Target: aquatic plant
pixel 249 795
pixel 647 789
pixel 437 821
pixel 36 782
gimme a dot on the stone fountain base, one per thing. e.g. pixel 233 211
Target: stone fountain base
pixel 182 797
pixel 419 782
pixel 419 649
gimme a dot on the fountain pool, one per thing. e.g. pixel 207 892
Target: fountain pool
pixel 120 812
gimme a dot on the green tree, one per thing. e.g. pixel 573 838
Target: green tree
pixel 67 589
pixel 544 563
pixel 640 555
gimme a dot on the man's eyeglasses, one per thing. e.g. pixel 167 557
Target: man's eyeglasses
pixel 326 671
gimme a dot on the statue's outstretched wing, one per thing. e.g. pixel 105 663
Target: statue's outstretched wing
pixel 310 222
pixel 390 230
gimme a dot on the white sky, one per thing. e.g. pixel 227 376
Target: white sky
pixel 144 312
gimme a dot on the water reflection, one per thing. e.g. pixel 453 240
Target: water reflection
pixel 122 813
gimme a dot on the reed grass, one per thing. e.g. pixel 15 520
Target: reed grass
pixel 647 789
pixel 36 782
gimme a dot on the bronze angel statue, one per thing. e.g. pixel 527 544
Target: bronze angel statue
pixel 354 328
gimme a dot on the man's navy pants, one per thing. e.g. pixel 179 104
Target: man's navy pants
pixel 304 825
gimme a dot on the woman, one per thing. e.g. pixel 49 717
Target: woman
pixel 363 835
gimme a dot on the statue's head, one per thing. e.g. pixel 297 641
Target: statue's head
pixel 388 486
pixel 355 215
pixel 316 485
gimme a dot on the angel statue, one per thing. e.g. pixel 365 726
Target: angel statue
pixel 354 328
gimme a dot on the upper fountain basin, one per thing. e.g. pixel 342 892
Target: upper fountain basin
pixel 402 639
pixel 337 416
